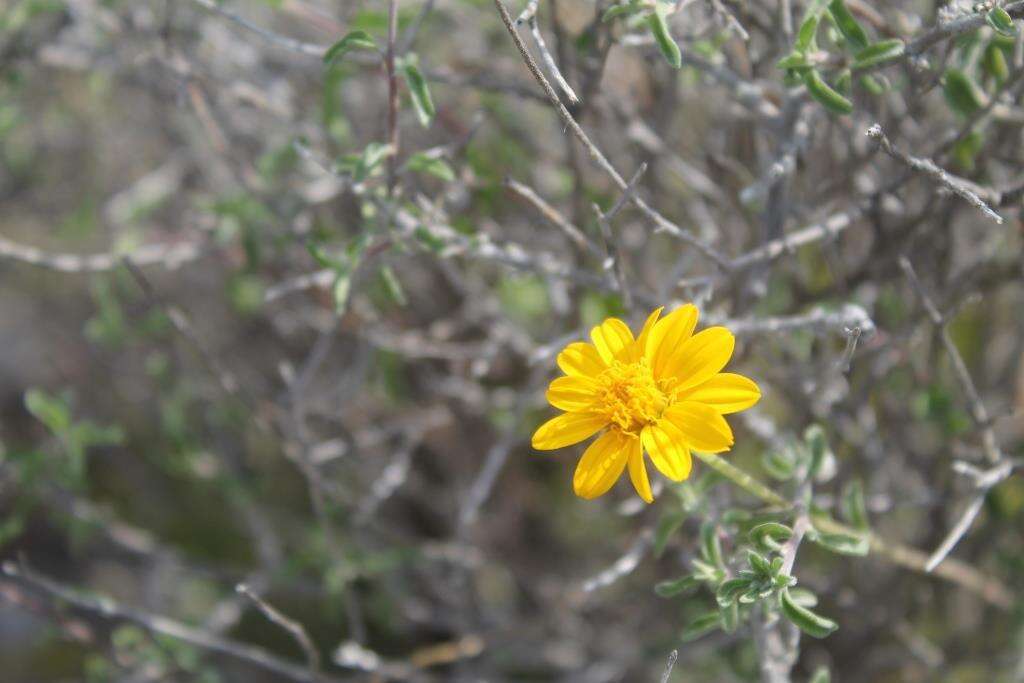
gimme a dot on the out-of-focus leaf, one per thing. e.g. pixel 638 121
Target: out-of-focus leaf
pixel 354 40
pixel 855 510
pixel 703 624
pixel 825 95
pixel 877 53
pixel 962 93
pixel 821 675
pixel 711 545
pixel 1000 21
pixel 842 544
pixel 848 25
pixel 430 165
pixel 667 526
pixel 658 24
pixel 418 90
pixel 667 589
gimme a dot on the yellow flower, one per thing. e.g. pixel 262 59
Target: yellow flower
pixel 663 393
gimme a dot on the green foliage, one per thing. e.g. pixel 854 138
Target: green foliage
pixel 422 101
pixel 354 40
pixel 657 22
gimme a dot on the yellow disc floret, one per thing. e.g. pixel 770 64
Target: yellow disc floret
pixel 630 396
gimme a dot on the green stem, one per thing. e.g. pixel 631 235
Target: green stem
pixel 742 479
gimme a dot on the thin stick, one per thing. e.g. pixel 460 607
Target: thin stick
pixel 599 158
pixel 940 175
pixel 553 216
pixel 550 63
pixel 297 630
pixel 169 256
pixel 109 609
pixel 392 78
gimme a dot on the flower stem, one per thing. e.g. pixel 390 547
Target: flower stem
pixel 742 479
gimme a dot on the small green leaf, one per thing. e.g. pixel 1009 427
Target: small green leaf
pixel 803 597
pixel 52 411
pixel 821 675
pixel 631 7
pixel 421 99
pixel 962 93
pixel 393 285
pixel 430 165
pixel 770 535
pixel 825 95
pixel 842 544
pixel 658 25
pixel 759 563
pixel 355 40
pixel 1000 21
pixel 994 62
pixel 730 590
pixel 779 465
pixel 808 29
pixel 710 544
pixel 794 60
pixel 855 510
pixel 703 624
pixel 848 25
pixel 809 622
pixel 878 53
pixel 667 526
pixel 667 589
pixel 730 617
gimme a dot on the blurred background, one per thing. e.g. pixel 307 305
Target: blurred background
pixel 255 331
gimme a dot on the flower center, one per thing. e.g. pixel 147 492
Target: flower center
pixel 630 396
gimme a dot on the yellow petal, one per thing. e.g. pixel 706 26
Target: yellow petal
pixel 575 394
pixel 668 451
pixel 581 359
pixel 668 335
pixel 703 428
pixel 611 337
pixel 636 351
pixel 567 429
pixel 701 357
pixel 725 392
pixel 638 472
pixel 601 465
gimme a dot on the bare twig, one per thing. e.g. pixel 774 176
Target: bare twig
pixel 554 217
pixel 109 609
pixel 297 630
pixel 169 256
pixel 957 186
pixel 596 154
pixel 550 63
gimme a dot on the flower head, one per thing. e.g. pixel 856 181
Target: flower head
pixel 662 393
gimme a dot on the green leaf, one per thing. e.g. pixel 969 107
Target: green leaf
pixel 821 675
pixel 808 29
pixel 759 563
pixel 658 25
pixel 854 508
pixel 730 617
pixel 730 590
pixel 962 94
pixel 421 99
pixel 825 95
pixel 794 60
pixel 666 589
pixel 354 40
pixel 817 445
pixel 1000 21
pixel 803 597
pixel 52 411
pixel 770 535
pixel 370 159
pixel 842 544
pixel 878 53
pixel 667 526
pixel 393 285
pixel 430 165
pixel 994 62
pixel 631 7
pixel 809 622
pixel 848 25
pixel 779 465
pixel 710 544
pixel 703 624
